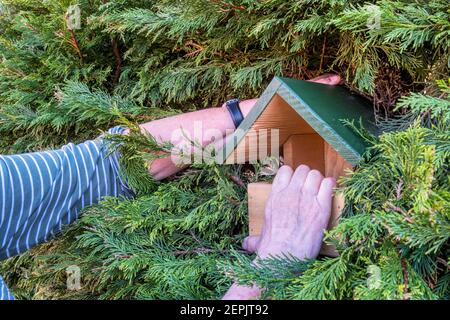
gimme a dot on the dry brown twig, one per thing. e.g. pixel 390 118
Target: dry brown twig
pixel 199 48
pixel 401 211
pixel 118 58
pixel 406 293
pixel 227 7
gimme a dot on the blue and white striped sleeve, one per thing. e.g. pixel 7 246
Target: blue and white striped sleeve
pixel 42 192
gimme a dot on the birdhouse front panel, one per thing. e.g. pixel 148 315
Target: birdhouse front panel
pixel 278 122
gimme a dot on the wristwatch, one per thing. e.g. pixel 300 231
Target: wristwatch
pixel 235 111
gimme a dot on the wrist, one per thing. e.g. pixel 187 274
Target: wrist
pixel 227 117
pixel 234 109
pixel 247 106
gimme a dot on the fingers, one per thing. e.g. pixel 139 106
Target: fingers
pixel 251 243
pixel 326 191
pixel 329 79
pixel 324 198
pixel 282 179
pixel 312 183
pixel 299 178
pixel 280 183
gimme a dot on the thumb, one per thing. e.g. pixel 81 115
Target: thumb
pixel 251 243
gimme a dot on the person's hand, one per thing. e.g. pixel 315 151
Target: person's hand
pixel 296 216
pixel 330 79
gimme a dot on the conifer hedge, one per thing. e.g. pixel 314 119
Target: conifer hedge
pixel 134 60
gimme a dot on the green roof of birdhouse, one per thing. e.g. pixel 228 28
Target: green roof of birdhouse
pixel 324 108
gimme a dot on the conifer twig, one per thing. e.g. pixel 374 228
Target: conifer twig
pixel 400 210
pixel 238 181
pixel 199 48
pixel 118 57
pixel 75 44
pixel 229 5
pixel 322 54
pixel 439 259
pixel 406 295
pixel 196 250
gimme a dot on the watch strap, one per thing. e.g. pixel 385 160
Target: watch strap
pixel 235 111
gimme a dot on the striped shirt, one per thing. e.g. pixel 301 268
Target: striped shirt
pixel 42 192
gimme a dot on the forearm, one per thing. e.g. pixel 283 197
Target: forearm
pixel 178 129
pixel 213 118
pixel 201 127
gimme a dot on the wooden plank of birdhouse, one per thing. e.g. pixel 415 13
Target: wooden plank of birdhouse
pixel 258 193
pixel 335 166
pixel 305 149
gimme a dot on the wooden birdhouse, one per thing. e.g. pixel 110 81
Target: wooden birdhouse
pixel 302 122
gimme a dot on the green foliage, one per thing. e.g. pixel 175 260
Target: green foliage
pixel 138 151
pixel 432 107
pixel 134 61
pixel 176 54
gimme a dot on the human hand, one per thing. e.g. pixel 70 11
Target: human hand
pixel 296 216
pixel 330 79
